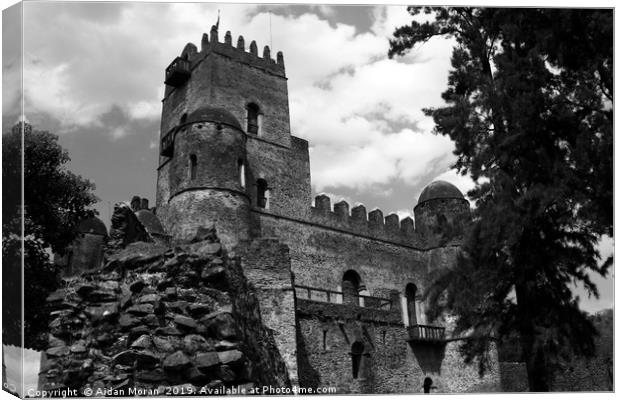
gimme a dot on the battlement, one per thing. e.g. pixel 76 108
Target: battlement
pixel 210 44
pixel 358 221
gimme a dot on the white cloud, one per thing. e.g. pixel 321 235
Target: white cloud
pixel 360 111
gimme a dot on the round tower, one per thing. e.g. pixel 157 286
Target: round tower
pixel 204 178
pixel 442 213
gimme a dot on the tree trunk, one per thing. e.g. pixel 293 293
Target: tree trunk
pixel 533 354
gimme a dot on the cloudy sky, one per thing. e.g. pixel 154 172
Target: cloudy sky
pixel 93 74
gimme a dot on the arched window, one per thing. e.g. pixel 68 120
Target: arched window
pixel 253 118
pixel 241 168
pixel 410 293
pixel 350 287
pixel 357 351
pixel 193 163
pixel 262 194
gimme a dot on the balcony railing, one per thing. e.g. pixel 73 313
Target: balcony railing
pixel 427 333
pixel 178 72
pixel 335 297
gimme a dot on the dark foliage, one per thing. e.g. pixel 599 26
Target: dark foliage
pixel 529 108
pixel 54 201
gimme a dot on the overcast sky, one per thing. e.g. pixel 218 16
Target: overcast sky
pixel 93 74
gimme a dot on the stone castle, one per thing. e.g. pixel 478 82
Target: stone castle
pixel 340 288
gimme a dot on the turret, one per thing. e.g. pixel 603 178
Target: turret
pixel 441 214
pixel 225 121
pixel 205 177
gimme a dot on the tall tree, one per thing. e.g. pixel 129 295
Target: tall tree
pixel 54 201
pixel 529 107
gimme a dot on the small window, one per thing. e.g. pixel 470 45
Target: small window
pixel 253 118
pixel 193 163
pixel 262 194
pixel 241 167
pixel 324 339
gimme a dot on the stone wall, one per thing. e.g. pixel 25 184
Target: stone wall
pixel 287 172
pixel 321 255
pixel 390 363
pixel 157 318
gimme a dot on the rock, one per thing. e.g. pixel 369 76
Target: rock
pixel 153 376
pixel 143 342
pixel 149 298
pixel 151 320
pixel 125 301
pixel 162 345
pixel 231 357
pixel 116 378
pixel 56 296
pixel 58 351
pixel 168 331
pixel 198 309
pixel 185 322
pixel 144 359
pixel 205 362
pixel 126 228
pixel 196 377
pixel 223 345
pixel 195 343
pixel 215 275
pixel 177 361
pixel 221 310
pixel 177 306
pixel 223 326
pixel 53 341
pixel 226 374
pixel 104 339
pixel 109 285
pixel 136 332
pixel 127 321
pixel 78 347
pixel 106 311
pixel 101 296
pixel 171 293
pixel 141 309
pixel 84 289
pixel 214 384
pixel 208 249
pixel 137 286
pixel 122 387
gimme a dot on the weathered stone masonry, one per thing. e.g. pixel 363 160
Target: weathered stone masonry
pixel 340 286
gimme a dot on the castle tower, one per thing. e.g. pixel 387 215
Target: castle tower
pixel 224 140
pixel 441 213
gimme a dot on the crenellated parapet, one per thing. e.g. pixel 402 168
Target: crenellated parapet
pixel 210 43
pixel 358 221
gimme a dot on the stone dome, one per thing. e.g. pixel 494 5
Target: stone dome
pixel 213 114
pixel 440 190
pixel 94 226
pixel 150 222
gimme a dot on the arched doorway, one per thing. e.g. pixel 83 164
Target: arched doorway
pixel 350 287
pixel 410 293
pixel 357 352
